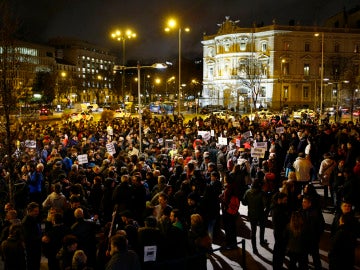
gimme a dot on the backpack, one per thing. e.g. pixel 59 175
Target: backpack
pixel 234 204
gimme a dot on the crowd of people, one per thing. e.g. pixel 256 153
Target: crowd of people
pixel 163 205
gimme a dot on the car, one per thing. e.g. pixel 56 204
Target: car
pixel 45 111
pixel 263 114
pixel 221 115
pixel 82 116
pixel 356 113
pixel 299 114
pixel 121 113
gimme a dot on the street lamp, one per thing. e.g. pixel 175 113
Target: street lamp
pixel 321 74
pixel 168 81
pixel 172 24
pixel 122 37
pixel 139 67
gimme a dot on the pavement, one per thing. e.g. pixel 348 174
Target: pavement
pixel 232 259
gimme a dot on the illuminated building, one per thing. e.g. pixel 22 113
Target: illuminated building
pixel 282 63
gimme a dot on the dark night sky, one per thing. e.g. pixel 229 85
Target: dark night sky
pixel 93 20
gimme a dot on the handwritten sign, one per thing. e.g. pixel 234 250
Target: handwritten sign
pixel 110 148
pixel 82 158
pixel 258 152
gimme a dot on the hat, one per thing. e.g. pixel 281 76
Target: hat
pixel 91 165
pixel 206 154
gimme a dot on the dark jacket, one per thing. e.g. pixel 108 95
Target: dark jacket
pixel 127 260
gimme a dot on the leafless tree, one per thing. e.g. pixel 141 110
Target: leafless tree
pixel 251 72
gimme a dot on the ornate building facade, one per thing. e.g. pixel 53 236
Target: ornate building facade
pixel 280 66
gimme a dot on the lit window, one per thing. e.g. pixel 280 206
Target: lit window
pixel 306 69
pixel 286 92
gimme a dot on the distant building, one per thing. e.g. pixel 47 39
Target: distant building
pixel 93 69
pixel 25 59
pixel 282 64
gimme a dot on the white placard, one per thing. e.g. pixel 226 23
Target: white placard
pixel 150 253
pixel 30 144
pixel 205 135
pixel 110 148
pixel 161 141
pixel 238 143
pixel 212 133
pixel 82 158
pixel 222 141
pixel 246 134
pixel 261 145
pixel 280 130
pixel 258 152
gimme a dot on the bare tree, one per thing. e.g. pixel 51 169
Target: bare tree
pixel 251 72
pixel 8 61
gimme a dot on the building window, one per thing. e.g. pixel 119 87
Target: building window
pixel 305 92
pixel 243 42
pixel 306 69
pixel 286 45
pixel 262 92
pixel 286 92
pixel 285 68
pixel 337 48
pixel 307 47
pixel 264 47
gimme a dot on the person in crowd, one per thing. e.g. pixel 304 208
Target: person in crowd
pixel 32 235
pixel 36 183
pixel 314 226
pixel 343 244
pixel 199 243
pixel 13 249
pixel 210 203
pixel 280 219
pixel 150 238
pixel 55 199
pixel 79 261
pixel 52 240
pixel 121 256
pixel 85 231
pixel 327 167
pixel 66 253
pixel 296 242
pixel 229 215
pixel 303 169
pixel 255 199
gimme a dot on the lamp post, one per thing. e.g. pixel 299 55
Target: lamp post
pixel 138 68
pixel 122 37
pixel 172 24
pixel 321 75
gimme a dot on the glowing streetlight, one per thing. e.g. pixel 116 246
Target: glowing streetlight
pixel 172 24
pixel 122 36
